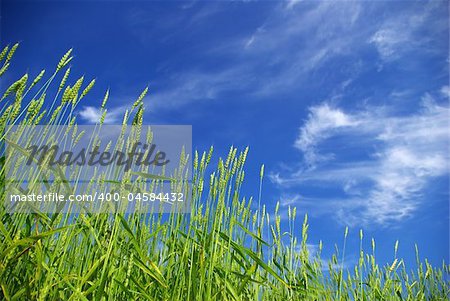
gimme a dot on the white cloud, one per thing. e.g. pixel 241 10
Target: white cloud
pixel 199 86
pixel 278 56
pixel 288 50
pixel 389 40
pixel 295 43
pixel 322 122
pixel 389 185
pixel 291 3
pixel 93 115
pixel 401 33
pixel 445 90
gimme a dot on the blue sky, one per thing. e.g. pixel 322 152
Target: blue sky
pixel 346 103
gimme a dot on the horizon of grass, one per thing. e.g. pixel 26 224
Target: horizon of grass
pixel 224 249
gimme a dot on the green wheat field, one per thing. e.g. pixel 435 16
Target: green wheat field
pixel 228 248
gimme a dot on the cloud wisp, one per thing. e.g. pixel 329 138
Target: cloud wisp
pixel 277 56
pixel 404 154
pixel 297 41
pixel 401 33
pixel 93 115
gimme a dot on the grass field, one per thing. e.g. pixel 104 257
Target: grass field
pixel 227 248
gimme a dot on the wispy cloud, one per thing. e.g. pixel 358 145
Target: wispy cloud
pixel 93 115
pixel 445 90
pixel 405 154
pixel 322 122
pixel 291 3
pixel 199 86
pixel 403 32
pixel 295 43
pixel 290 49
pixel 279 55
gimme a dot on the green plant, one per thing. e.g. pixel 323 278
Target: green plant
pixel 223 250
